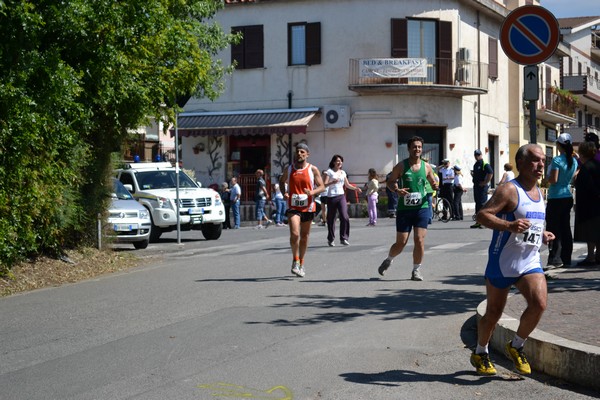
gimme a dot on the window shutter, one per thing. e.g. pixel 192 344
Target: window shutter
pixel 237 50
pixel 493 58
pixel 313 43
pixel 444 61
pixel 399 38
pixel 254 46
pixel 547 94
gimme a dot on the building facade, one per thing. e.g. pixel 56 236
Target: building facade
pixel 580 73
pixel 357 78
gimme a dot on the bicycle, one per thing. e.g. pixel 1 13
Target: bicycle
pixel 442 209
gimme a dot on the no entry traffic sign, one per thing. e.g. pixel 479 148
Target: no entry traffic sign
pixel 529 35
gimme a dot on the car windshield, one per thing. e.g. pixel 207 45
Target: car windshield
pixel 163 180
pixel 120 191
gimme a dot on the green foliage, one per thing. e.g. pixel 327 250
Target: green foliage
pixel 75 76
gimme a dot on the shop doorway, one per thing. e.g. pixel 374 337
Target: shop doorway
pixel 246 155
pixel 433 137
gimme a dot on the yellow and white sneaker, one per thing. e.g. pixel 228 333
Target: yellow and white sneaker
pixel 483 364
pixel 518 356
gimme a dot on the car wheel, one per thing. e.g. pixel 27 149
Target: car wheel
pixel 155 231
pixel 141 245
pixel 212 231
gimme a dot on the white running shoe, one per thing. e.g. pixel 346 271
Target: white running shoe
pixel 416 275
pixel 297 269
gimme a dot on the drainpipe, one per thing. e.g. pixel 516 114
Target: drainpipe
pixel 290 94
pixel 478 81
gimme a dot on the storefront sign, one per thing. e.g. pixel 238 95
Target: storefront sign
pixel 393 68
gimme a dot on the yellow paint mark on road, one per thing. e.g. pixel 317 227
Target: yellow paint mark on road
pixel 221 389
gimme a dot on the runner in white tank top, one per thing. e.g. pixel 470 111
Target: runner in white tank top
pixel 516 213
pixel 514 254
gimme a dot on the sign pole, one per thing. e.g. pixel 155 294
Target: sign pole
pixel 532 121
pixel 530 35
pixel 531 93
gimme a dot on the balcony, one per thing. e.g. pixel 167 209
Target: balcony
pixel 557 106
pixel 595 50
pixel 586 86
pixel 447 77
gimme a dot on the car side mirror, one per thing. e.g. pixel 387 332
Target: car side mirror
pixel 129 187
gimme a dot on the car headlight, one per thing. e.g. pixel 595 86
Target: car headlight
pixel 163 202
pixel 144 214
pixel 218 201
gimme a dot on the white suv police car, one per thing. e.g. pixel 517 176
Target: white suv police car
pixel 154 186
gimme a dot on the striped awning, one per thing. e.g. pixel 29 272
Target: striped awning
pixel 248 122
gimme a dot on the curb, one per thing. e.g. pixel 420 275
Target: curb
pixel 562 358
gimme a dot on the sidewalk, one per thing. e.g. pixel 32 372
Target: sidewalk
pixel 566 343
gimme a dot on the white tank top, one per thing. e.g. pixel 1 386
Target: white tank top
pixel 514 254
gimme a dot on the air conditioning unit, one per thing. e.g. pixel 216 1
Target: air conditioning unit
pixel 336 117
pixel 464 55
pixel 463 75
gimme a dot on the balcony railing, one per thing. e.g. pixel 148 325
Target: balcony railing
pixel 583 85
pixel 443 74
pixel 560 104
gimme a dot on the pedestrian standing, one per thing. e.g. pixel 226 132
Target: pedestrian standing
pixel 516 213
pixel 279 204
pixel 226 199
pixel 235 195
pixel 303 182
pixel 560 202
pixel 508 175
pixel 587 212
pixel 392 199
pixel 261 197
pixel 323 200
pixel 459 189
pixel 336 182
pixel 413 210
pixel 372 190
pixel 482 176
pixel 446 190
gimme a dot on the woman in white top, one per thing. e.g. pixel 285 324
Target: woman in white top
pixel 509 175
pixel 335 182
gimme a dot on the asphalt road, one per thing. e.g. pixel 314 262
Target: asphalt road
pixel 225 319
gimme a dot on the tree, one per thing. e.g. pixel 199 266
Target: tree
pixel 75 77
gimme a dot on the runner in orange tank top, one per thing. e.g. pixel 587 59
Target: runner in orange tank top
pixel 300 182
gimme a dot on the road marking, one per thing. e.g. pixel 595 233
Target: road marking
pixel 221 389
pixel 451 246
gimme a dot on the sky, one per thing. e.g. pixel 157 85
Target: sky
pixel 572 8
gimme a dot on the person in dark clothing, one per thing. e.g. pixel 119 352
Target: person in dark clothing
pixel 392 197
pixel 226 199
pixel 446 189
pixel 459 189
pixel 482 176
pixel 587 195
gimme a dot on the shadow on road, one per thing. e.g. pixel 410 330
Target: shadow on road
pixel 398 377
pixel 387 304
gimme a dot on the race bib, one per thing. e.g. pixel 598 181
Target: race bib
pixel 413 199
pixel 299 200
pixel 533 236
